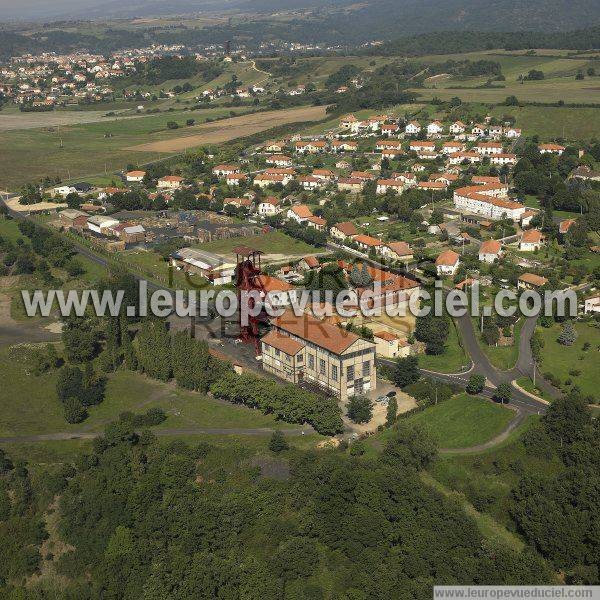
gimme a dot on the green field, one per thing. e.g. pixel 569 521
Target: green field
pixel 559 360
pixel 29 404
pixel 559 82
pixel 463 421
pixel 274 242
pixel 553 122
pixel 486 478
pixel 453 360
pixel 90 148
pixel 504 357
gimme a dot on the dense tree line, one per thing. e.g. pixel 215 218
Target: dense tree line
pixel 151 521
pixel 558 514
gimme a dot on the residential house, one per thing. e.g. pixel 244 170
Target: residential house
pixel 234 179
pixel 350 184
pixel 457 128
pixel 279 160
pixel 309 263
pixel 344 146
pixel 170 182
pixel 551 149
pixel 366 243
pixel 135 176
pixel 447 263
pixel 269 206
pixel 343 230
pixel 435 129
pixel 398 251
pixel 224 170
pixel 504 158
pixel 275 292
pixel 531 281
pixel 390 345
pixel 592 304
pixel 489 148
pixel 490 251
pixel 531 240
pixel 412 128
pixel 299 213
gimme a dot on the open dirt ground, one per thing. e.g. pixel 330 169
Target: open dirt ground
pixel 230 129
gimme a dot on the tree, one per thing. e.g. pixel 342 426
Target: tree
pixel 296 557
pixel 392 411
pixel 475 384
pixel 75 412
pixel 503 393
pixel 568 335
pixel 406 371
pixel 410 448
pixel 278 443
pixel 360 409
pixel 69 383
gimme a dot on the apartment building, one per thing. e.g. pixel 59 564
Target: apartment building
pixel 304 349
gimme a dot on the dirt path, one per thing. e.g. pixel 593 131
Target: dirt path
pixel 90 435
pixel 235 127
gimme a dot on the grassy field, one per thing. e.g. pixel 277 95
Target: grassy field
pixel 559 360
pixel 504 357
pixel 486 478
pixel 452 361
pixel 9 229
pixel 88 149
pixel 29 404
pixel 527 384
pixel 463 421
pixel 559 82
pixel 553 122
pixel 274 242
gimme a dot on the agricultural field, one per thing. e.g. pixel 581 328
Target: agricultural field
pixel 230 129
pixel 549 122
pixel 90 148
pixel 559 82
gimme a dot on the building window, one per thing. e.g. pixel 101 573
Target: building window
pixel 277 352
pixel 366 368
pixel 311 362
pixel 334 373
pixel 321 366
pixel 350 373
pixel 299 358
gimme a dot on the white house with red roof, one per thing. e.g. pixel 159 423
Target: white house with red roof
pixel 447 263
pixel 531 240
pixel 412 128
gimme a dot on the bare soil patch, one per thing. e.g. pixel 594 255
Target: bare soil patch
pixel 235 127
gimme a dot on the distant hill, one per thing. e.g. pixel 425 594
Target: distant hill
pixel 349 20
pixel 388 18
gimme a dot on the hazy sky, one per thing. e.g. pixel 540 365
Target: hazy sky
pixel 11 9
